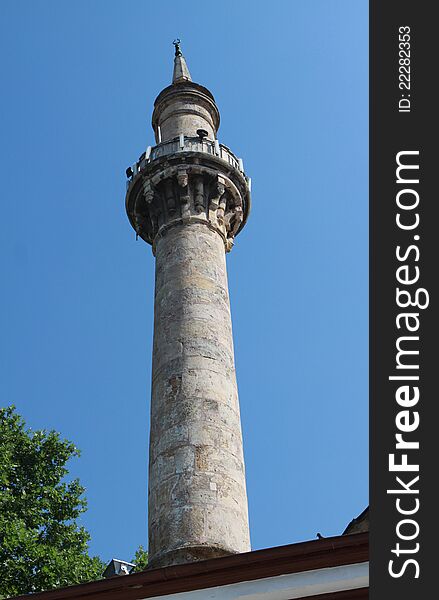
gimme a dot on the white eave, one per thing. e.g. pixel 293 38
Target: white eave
pixel 284 587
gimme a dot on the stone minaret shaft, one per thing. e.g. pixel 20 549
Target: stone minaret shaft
pixel 188 197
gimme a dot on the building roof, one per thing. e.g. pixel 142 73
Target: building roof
pixel 319 556
pixel 358 525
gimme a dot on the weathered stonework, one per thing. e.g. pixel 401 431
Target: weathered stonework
pixel 197 497
pixel 185 107
pixel 188 188
pixel 189 198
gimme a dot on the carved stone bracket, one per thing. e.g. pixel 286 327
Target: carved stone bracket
pixel 188 194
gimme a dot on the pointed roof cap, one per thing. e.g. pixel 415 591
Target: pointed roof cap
pixel 181 71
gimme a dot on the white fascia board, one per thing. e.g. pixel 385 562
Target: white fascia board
pixel 284 587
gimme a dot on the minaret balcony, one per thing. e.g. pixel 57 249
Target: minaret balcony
pixel 186 144
pixel 188 179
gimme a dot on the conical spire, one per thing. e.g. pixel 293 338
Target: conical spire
pixel 181 71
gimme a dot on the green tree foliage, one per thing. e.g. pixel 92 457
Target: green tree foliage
pixel 140 559
pixel 41 545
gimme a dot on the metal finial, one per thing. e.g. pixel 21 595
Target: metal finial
pixel 177 43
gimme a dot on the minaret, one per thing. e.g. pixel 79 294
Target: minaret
pixel 188 197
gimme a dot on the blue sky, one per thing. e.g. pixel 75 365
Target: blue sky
pixel 290 79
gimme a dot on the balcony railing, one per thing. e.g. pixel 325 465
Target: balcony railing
pixel 186 144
